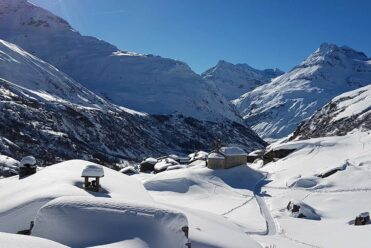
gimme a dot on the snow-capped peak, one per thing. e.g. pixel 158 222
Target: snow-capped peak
pixel 236 79
pixel 274 110
pixel 150 84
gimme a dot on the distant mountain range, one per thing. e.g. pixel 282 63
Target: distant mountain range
pixel 275 109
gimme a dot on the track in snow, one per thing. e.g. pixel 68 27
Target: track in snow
pixel 272 227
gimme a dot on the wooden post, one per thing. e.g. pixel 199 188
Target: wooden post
pixel 98 186
pixel 86 182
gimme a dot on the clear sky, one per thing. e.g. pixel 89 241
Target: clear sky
pixel 262 33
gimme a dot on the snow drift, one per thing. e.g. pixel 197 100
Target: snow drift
pixel 105 221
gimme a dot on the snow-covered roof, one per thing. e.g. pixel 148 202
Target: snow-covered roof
pixel 256 153
pixel 93 170
pixel 232 151
pixel 215 155
pixel 29 160
pixel 128 169
pixel 109 221
pixel 151 160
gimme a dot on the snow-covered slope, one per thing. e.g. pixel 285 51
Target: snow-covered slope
pixel 9 240
pixel 275 109
pixel 143 82
pixel 343 114
pixel 337 198
pixel 122 215
pixel 43 109
pixel 42 80
pixel 233 80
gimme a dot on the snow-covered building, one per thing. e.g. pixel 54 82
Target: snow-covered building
pixel 27 166
pixel 226 157
pixel 92 171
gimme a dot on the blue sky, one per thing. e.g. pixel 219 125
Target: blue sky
pixel 262 33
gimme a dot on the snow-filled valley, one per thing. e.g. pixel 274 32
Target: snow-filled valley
pixel 106 148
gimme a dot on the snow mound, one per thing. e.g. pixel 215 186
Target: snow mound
pixel 22 198
pixel 8 240
pixel 104 221
pixel 299 209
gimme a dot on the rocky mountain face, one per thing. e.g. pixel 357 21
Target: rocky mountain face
pixel 274 110
pixel 233 80
pixel 146 83
pixel 343 114
pixel 47 114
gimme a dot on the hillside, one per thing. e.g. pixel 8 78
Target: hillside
pixel 44 109
pixel 274 110
pixel 233 80
pixel 145 83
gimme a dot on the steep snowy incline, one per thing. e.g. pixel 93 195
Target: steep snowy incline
pixel 274 110
pixel 343 114
pixel 43 109
pixel 143 82
pixel 42 80
pixel 233 80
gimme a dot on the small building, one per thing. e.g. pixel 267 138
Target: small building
pixel 148 165
pixel 226 157
pixel 252 156
pixel 27 166
pixel 92 172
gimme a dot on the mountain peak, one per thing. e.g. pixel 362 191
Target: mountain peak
pixel 233 80
pixel 327 49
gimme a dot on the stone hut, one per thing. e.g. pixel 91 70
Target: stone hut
pixel 27 166
pixel 226 157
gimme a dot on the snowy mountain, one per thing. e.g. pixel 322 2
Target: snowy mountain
pixel 275 109
pixel 42 109
pixel 345 113
pixel 143 82
pixel 233 80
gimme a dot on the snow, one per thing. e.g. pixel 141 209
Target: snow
pixel 215 156
pixel 232 151
pixel 163 164
pixel 29 160
pixel 104 221
pixel 93 170
pixel 275 109
pixel 225 194
pixel 200 155
pixel 151 160
pixel 8 240
pixel 146 83
pixel 8 162
pixel 42 80
pixel 22 198
pixel 337 199
pixel 304 210
pixel 359 102
pixel 128 170
pixel 233 80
